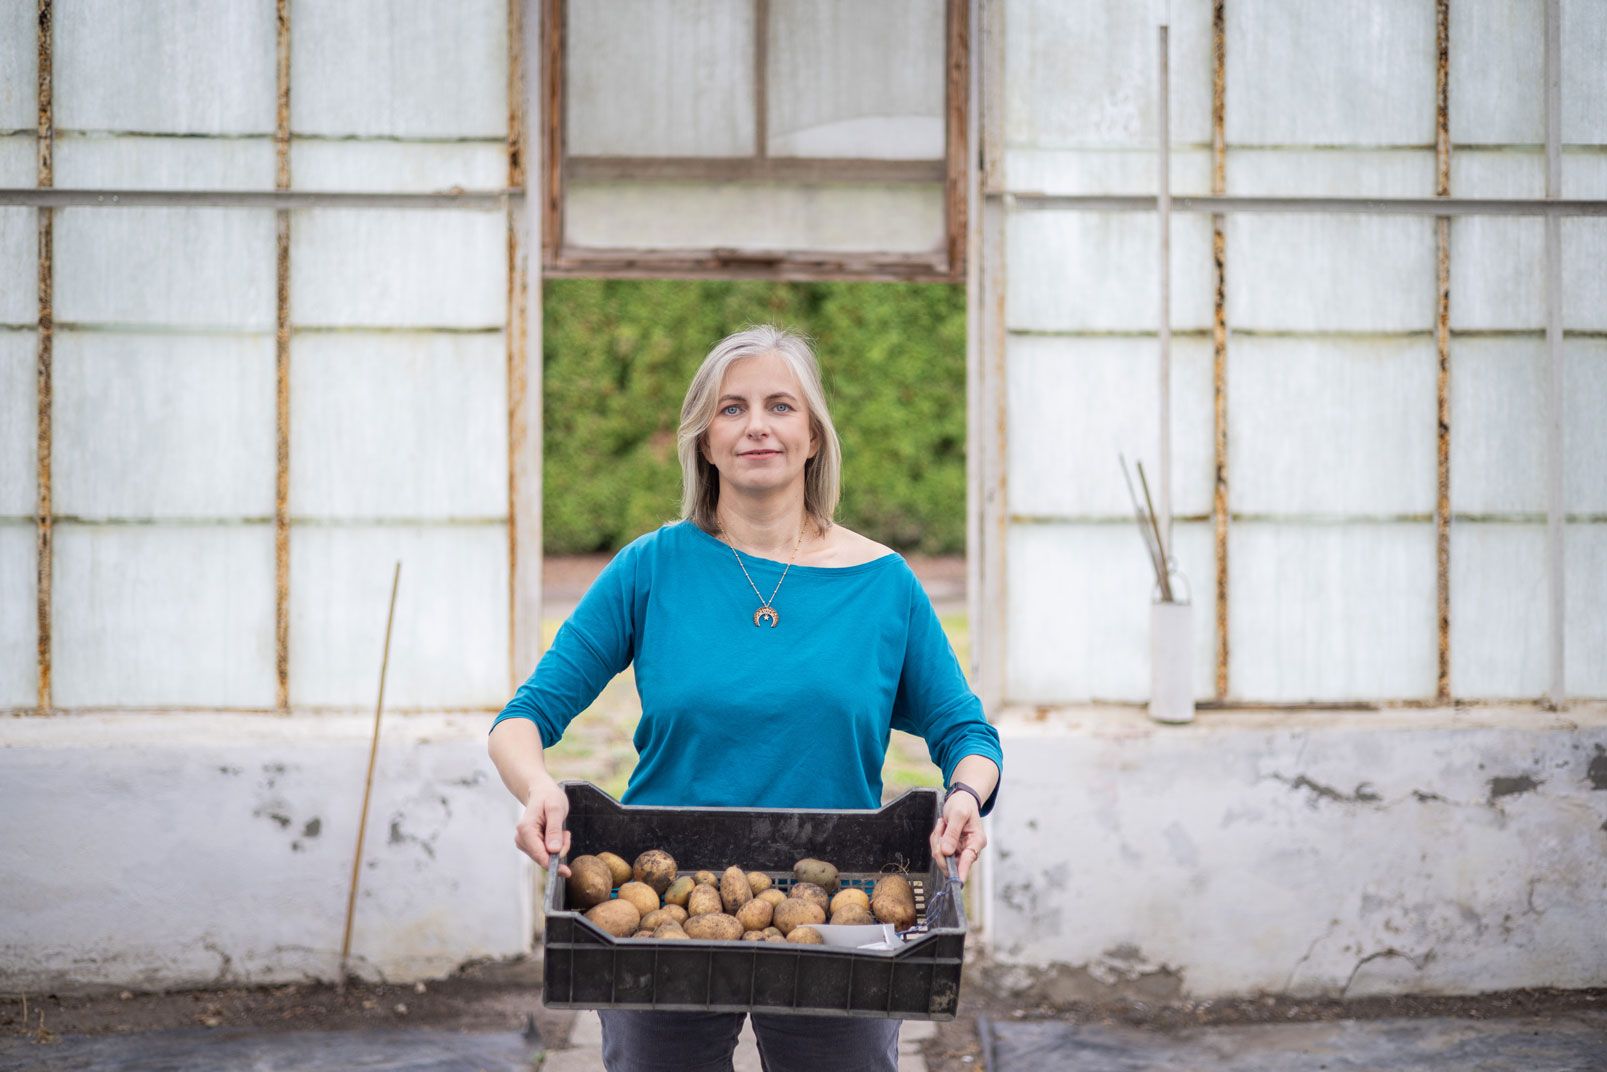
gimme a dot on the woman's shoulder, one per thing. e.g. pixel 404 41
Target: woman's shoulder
pixel 842 546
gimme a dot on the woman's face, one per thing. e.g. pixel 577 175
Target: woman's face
pixel 761 436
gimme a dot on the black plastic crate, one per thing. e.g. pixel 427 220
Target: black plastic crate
pixel 586 968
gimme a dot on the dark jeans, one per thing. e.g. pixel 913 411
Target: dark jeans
pixel 704 1041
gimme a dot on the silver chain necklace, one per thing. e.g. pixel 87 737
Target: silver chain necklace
pixel 765 609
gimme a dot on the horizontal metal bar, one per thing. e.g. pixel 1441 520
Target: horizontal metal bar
pixel 477 200
pixel 582 262
pixel 1385 206
pixel 264 520
pixel 750 169
pixel 1313 519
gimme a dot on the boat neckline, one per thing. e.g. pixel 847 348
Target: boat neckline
pixel 714 541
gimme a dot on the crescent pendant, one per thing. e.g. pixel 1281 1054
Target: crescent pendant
pixel 766 612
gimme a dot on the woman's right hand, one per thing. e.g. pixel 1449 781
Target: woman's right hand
pixel 540 834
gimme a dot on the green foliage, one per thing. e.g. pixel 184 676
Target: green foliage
pixel 618 357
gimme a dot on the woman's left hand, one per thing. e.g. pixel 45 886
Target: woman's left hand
pixel 959 831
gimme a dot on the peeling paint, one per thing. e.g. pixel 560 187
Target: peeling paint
pixel 1597 771
pixel 1511 786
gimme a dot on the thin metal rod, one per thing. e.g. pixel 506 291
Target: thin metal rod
pixel 484 200
pixel 368 781
pixel 1556 692
pixel 1377 206
pixel 1165 218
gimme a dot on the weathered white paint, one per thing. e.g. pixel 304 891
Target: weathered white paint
pixel 1584 76
pixel 397 167
pixel 1329 172
pixel 216 849
pixel 1318 853
pixel 1584 175
pixel 1496 83
pixel 1585 626
pixel 1498 574
pixel 19 409
pixel 124 162
pixel 1106 171
pixel 19 259
pixel 1584 283
pixel 1497 272
pixel 1499 173
pixel 1584 467
pixel 19 66
pixel 19 160
pixel 19 622
pixel 1498 399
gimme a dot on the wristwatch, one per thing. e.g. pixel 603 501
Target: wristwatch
pixel 961 787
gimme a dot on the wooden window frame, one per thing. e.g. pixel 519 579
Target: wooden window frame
pixel 561 261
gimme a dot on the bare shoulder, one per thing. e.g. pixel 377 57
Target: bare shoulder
pixel 843 546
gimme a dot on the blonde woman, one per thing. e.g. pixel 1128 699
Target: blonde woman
pixel 756 609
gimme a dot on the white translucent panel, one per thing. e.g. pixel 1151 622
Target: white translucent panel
pixel 1078 611
pixel 1103 171
pixel 1330 74
pixel 401 68
pixel 659 78
pixel 1498 173
pixel 1498 433
pixel 1584 175
pixel 1584 407
pixel 1584 72
pixel 1098 271
pixel 392 167
pixel 159 615
pixel 169 68
pixel 128 162
pixel 1585 612
pixel 865 106
pixel 163 426
pixel 19 66
pixel 19 160
pixel 1330 172
pixel 1584 273
pixel 399 267
pixel 19 417
pixel 398 426
pixel 1083 73
pixel 1497 74
pixel 890 218
pixel 1075 403
pixel 19 614
pixel 1331 426
pixel 19 265
pixel 449 646
pixel 1500 611
pixel 1330 272
pixel 1332 612
pixel 182 267
pixel 1498 272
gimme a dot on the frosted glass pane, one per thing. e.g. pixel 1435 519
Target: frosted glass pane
pixel 1083 73
pixel 19 615
pixel 1584 175
pixel 1103 171
pixel 1097 271
pixel 150 426
pixel 402 267
pixel 19 159
pixel 1498 272
pixel 1498 404
pixel 1330 172
pixel 1330 273
pixel 19 66
pixel 19 265
pixel 1584 392
pixel 1584 75
pixel 1498 173
pixel 1497 88
pixel 659 78
pixel 1584 279
pixel 1331 426
pixel 1332 612
pixel 397 167
pixel 892 218
pixel 157 615
pixel 1078 613
pixel 450 642
pixel 867 107
pixel 401 68
pixel 1585 621
pixel 1074 403
pixel 166 68
pixel 1330 74
pixel 398 426
pixel 19 419
pixel 123 162
pixel 1500 621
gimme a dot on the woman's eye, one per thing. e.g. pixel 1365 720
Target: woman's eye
pixel 730 410
pixel 784 407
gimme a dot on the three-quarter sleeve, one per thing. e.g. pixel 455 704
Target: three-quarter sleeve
pixel 596 642
pixel 935 702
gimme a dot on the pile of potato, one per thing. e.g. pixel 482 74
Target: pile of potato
pixel 735 906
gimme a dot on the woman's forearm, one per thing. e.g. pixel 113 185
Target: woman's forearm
pixel 978 772
pixel 515 748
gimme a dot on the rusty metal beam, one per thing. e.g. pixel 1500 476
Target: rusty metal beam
pixel 744 264
pixel 752 169
pixel 281 510
pixel 1376 206
pixel 957 136
pixel 974 471
pixel 1442 341
pixel 549 75
pixel 1219 338
pixel 44 521
pixel 529 128
pixel 487 200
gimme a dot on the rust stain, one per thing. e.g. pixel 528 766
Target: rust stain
pixel 1219 52
pixel 552 73
pixel 516 92
pixel 516 330
pixel 1442 106
pixel 281 505
pixel 46 142
pixel 44 517
pixel 1219 336
pixel 281 138
pixel 1442 506
pixel 959 80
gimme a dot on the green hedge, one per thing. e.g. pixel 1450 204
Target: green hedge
pixel 619 354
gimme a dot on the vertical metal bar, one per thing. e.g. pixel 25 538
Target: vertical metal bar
pixel 1164 204
pixel 539 117
pixel 544 38
pixel 514 326
pixel 1442 338
pixel 1556 694
pixel 957 133
pixel 1219 337
pixel 281 335
pixel 44 511
pixel 974 349
pixel 761 78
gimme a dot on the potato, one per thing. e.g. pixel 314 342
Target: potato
pixel 819 872
pixel 679 891
pixel 809 891
pixel 758 882
pixel 619 871
pixel 768 931
pixel 705 900
pixel 643 933
pixel 806 935
pixel 668 914
pixel 618 918
pixel 756 914
pixel 794 912
pixel 853 914
pixel 656 868
pixel 774 938
pixel 734 889
pixel 589 882
pixel 706 878
pixel 641 895
pixel 716 927
pixel 893 901
pixel 671 930
pixel 772 895
pixel 851 895
pixel 753 936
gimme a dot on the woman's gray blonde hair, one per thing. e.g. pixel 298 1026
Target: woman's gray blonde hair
pixel 700 481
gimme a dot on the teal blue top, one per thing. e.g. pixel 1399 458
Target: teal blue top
pixel 791 716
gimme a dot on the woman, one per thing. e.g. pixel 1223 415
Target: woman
pixel 774 649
